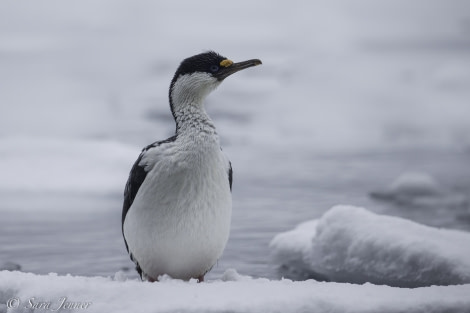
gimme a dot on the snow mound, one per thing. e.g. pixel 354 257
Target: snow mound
pixel 291 252
pixel 21 291
pixel 419 189
pixel 415 183
pixel 351 244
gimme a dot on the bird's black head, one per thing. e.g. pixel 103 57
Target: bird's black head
pixel 208 62
pixel 198 75
pixel 213 64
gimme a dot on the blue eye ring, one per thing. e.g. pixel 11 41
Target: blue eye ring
pixel 214 68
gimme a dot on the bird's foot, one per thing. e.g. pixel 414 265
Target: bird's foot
pixel 146 277
pixel 200 279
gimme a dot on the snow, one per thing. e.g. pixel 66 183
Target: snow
pixel 232 293
pixel 45 164
pixel 415 183
pixel 419 189
pixel 351 244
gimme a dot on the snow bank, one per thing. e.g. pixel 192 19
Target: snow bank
pixel 419 189
pixel 233 293
pixel 351 244
pixel 43 164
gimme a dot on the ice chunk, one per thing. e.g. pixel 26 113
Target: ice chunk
pixel 292 249
pixel 419 189
pixel 415 183
pixel 351 244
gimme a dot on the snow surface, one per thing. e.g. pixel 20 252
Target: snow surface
pixel 419 189
pixel 351 244
pixel 231 293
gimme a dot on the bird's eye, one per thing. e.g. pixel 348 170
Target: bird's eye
pixel 214 68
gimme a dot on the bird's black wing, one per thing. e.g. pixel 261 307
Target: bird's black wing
pixel 135 180
pixel 230 174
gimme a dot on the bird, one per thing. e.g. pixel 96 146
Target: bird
pixel 177 206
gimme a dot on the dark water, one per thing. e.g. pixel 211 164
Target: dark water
pixel 80 234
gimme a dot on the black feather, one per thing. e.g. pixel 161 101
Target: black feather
pixel 230 174
pixel 137 266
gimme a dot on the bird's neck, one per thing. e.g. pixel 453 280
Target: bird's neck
pixel 192 121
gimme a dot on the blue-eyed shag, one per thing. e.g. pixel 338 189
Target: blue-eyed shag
pixel 177 201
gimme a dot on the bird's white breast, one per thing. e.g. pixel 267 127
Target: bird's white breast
pixel 179 222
